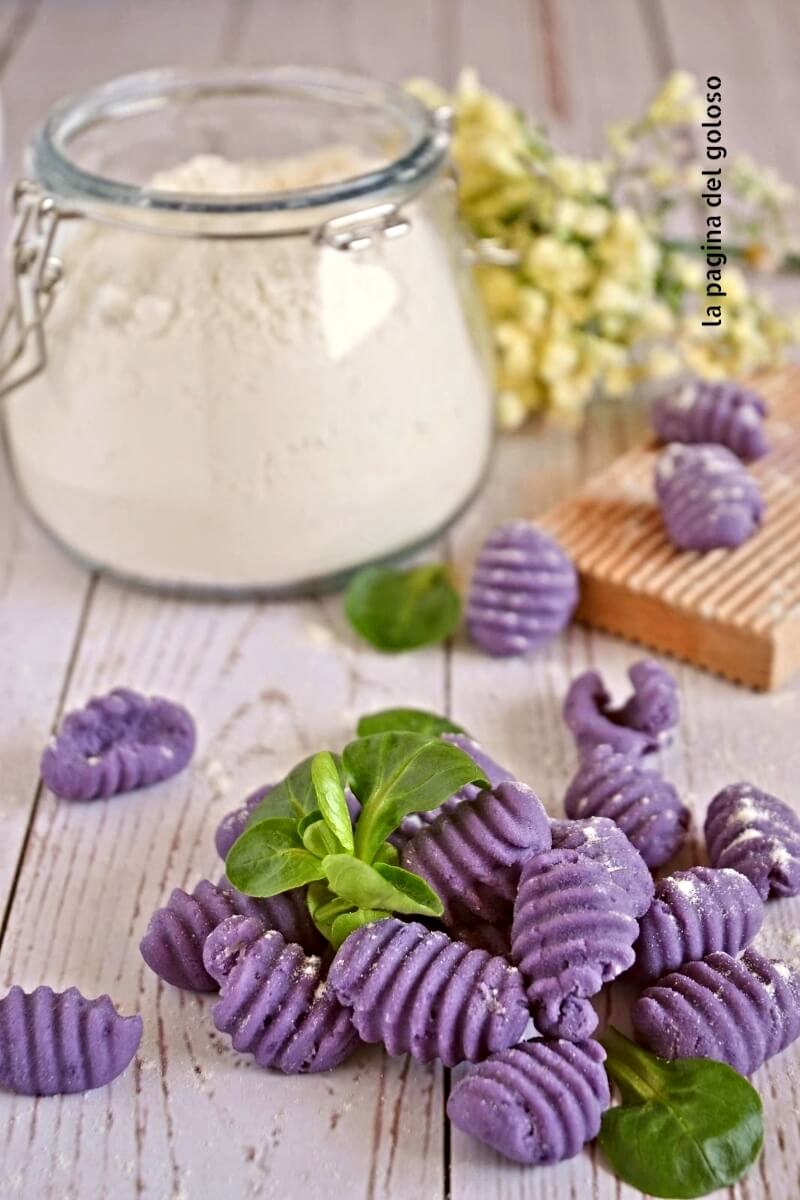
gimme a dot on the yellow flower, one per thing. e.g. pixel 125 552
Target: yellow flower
pixel 575 177
pixel 557 267
pixel 516 351
pixel 500 289
pixel 512 411
pixel 661 363
pixel 557 357
pixel 677 102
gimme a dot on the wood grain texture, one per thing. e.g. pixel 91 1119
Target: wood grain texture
pixel 271 683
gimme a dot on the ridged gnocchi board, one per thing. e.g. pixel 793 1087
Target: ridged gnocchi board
pixel 733 612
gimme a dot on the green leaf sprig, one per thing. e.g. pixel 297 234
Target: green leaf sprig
pixel 403 610
pixel 684 1128
pixel 302 832
pixel 410 720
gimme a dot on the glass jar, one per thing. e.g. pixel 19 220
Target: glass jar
pixel 257 361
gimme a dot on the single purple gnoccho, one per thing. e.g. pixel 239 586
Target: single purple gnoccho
pixel 740 1011
pixel 52 1043
pixel 726 413
pixel 572 933
pixel 708 500
pixel 420 993
pixel 118 743
pixel 758 835
pixel 537 1103
pixel 696 913
pixel 603 841
pixel 638 726
pixel 472 856
pixel 523 592
pixel 274 1002
pixel 646 806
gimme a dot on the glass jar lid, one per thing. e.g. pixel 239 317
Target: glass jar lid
pixel 96 154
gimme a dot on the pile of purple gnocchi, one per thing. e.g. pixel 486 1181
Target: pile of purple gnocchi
pixel 537 916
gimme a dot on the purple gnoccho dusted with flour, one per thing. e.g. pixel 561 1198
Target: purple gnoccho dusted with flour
pixel 537 1103
pixel 724 413
pixel 118 743
pixel 740 1011
pixel 708 500
pixel 472 856
pixel 274 1001
pixel 524 590
pixel 602 840
pixel 54 1043
pixel 572 933
pixel 176 936
pixel 696 913
pixel 420 993
pixel 493 771
pixel 758 835
pixel 646 806
pixel 639 726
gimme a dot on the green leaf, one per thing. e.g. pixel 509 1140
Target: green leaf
pixel 319 841
pixel 270 858
pixel 325 907
pixel 402 610
pixel 389 888
pixel 345 924
pixel 387 853
pixel 684 1128
pixel 394 774
pixel 409 720
pixel 326 778
pixel 294 796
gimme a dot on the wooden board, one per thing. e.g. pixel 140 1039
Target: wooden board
pixel 734 612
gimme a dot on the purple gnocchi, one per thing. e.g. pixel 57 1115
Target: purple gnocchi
pixel 646 806
pixel 420 993
pixel 741 1011
pixel 726 413
pixel 603 841
pixel 173 945
pixel 54 1043
pixel 538 1103
pixel 118 743
pixel 572 933
pixel 494 773
pixel 757 835
pixel 696 913
pixel 472 856
pixel 708 501
pixel 639 726
pixel 523 592
pixel 274 1002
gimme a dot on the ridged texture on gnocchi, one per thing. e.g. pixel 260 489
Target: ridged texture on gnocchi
pixel 523 592
pixel 740 1011
pixel 173 945
pixel 572 933
pixel 118 743
pixel 52 1043
pixel 420 993
pixel 472 856
pixel 274 1002
pixel 646 806
pixel 708 501
pixel 603 841
pixel 757 835
pixel 696 913
pixel 724 412
pixel 537 1103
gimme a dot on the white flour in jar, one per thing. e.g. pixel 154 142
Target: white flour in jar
pixel 251 413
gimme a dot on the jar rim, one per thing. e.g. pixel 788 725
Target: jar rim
pixel 87 193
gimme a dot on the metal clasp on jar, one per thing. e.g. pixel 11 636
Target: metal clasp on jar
pixel 35 275
pixel 356 231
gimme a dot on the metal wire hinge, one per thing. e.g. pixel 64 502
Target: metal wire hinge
pixel 35 275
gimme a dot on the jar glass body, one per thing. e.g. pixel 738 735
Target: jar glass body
pixel 232 402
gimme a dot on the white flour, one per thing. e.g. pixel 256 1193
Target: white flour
pixel 255 412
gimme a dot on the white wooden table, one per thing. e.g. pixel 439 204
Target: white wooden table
pixel 270 683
